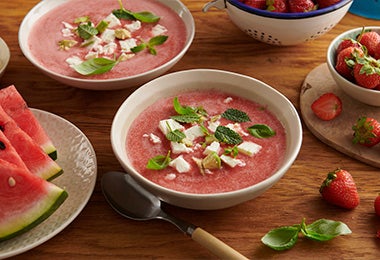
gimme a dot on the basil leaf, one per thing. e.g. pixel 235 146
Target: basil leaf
pixel 261 131
pixel 175 136
pixel 123 14
pixel 236 115
pixel 139 48
pixel 159 162
pixel 157 40
pixel 86 31
pixel 281 238
pixel 95 66
pixel 325 229
pixel 228 136
pixel 182 110
pixel 146 17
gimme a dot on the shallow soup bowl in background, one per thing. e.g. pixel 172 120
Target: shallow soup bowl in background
pixel 121 81
pixel 205 79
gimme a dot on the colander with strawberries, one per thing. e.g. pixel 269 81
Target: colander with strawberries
pixel 283 22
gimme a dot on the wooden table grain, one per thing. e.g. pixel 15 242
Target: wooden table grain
pixel 99 232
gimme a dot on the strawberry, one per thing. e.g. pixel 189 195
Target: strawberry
pixel 366 131
pixel 277 6
pixel 260 4
pixel 346 60
pixel 339 189
pixel 345 43
pixel 301 6
pixel 377 52
pixel 367 73
pixel 370 40
pixel 327 107
pixel 326 3
pixel 377 205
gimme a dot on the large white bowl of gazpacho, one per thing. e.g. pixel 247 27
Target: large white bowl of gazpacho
pixel 108 44
pixel 206 139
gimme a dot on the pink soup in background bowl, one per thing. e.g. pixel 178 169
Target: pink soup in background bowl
pixel 140 128
pixel 65 38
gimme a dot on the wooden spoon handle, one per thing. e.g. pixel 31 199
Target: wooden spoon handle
pixel 216 246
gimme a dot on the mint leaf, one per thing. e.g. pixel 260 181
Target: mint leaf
pixel 228 136
pixel 95 66
pixel 282 238
pixel 261 131
pixel 236 115
pixel 146 17
pixel 325 229
pixel 86 31
pixel 175 136
pixel 159 162
pixel 182 110
pixel 189 118
pixel 157 40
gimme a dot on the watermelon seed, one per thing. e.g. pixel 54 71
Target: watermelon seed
pixel 2 146
pixel 11 181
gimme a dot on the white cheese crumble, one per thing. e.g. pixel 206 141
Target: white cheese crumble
pixel 180 148
pixel 193 132
pixel 74 60
pixel 127 44
pixel 92 43
pixel 168 125
pixel 180 164
pixel 249 148
pixel 110 48
pixel 232 162
pixel 112 20
pixel 228 100
pixel 158 29
pixel 153 138
pixel 213 147
pixel 134 26
pixel 237 128
pixel 108 35
pixel 212 125
pixel 170 176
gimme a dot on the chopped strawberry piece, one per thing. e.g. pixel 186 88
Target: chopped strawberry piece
pixel 327 107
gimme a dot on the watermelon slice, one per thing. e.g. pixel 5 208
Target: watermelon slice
pixel 8 152
pixel 37 161
pixel 26 200
pixel 15 106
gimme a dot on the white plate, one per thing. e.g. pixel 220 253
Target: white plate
pixel 77 158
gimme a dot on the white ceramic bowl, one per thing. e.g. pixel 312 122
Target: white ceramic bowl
pixel 235 84
pixel 364 95
pixel 5 55
pixel 45 6
pixel 282 28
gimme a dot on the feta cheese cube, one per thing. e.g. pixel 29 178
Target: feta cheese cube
pixel 91 55
pixel 193 132
pixel 110 48
pixel 180 148
pixel 232 162
pixel 237 128
pixel 213 147
pixel 134 26
pixel 108 35
pixel 153 138
pixel 92 43
pixel 168 125
pixel 124 56
pixel 127 44
pixel 180 164
pixel 170 176
pixel 212 125
pixel 158 29
pixel 112 20
pixel 74 60
pixel 249 148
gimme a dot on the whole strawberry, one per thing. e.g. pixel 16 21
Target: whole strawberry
pixel 339 189
pixel 326 3
pixel 366 75
pixel 346 60
pixel 377 205
pixel 366 131
pixel 301 6
pixel 260 4
pixel 370 40
pixel 277 6
pixel 345 43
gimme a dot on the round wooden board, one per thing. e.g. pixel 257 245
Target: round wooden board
pixel 337 133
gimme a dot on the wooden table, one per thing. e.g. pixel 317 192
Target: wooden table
pixel 99 232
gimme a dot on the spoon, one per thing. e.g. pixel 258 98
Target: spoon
pixel 132 201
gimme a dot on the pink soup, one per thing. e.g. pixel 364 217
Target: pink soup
pixel 141 147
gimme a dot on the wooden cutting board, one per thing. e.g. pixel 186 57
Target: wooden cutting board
pixel 337 133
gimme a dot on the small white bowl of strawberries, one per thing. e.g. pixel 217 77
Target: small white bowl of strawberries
pixel 353 59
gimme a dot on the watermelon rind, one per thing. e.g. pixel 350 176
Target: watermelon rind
pixel 36 214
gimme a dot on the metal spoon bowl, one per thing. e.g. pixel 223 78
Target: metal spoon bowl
pixel 132 201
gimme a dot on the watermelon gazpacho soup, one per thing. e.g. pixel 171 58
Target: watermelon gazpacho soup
pixel 206 142
pixel 107 39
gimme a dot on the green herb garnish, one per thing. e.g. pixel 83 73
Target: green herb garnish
pixel 95 66
pixel 86 30
pixel 102 26
pixel 146 17
pixel 159 162
pixel 261 131
pixel 284 238
pixel 157 40
pixel 227 135
pixel 175 136
pixel 234 151
pixel 189 118
pixel 235 115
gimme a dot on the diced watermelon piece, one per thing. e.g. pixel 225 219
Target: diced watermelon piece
pixel 26 200
pixel 15 106
pixel 37 161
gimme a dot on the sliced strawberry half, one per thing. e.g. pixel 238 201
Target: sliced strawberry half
pixel 327 107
